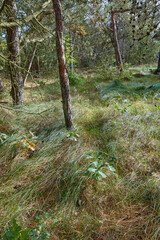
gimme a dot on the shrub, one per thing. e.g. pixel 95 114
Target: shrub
pixel 112 73
pixel 75 79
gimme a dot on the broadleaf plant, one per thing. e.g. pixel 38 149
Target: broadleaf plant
pixel 96 168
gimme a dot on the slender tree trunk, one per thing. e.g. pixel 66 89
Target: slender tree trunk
pixel 1 86
pixel 13 55
pixel 37 67
pixel 72 56
pixel 30 64
pixel 158 67
pixel 116 44
pixel 64 81
pixel 72 52
pixel 95 56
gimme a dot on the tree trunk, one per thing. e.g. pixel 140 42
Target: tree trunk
pixel 116 44
pixel 13 55
pixel 1 86
pixel 158 68
pixel 30 64
pixel 95 56
pixel 72 52
pixel 64 81
pixel 37 67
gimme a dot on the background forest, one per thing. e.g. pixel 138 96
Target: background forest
pixel 79 119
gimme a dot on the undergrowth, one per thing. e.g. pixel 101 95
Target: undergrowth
pixel 99 182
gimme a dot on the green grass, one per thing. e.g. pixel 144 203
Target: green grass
pixel 120 119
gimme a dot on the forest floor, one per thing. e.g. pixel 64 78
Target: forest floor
pixel 100 182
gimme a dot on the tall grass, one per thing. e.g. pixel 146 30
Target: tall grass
pixel 119 119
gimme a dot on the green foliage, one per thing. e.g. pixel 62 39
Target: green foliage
pixel 22 140
pixel 112 73
pixel 75 79
pixel 96 168
pixel 69 58
pixel 3 137
pixel 122 109
pixel 15 231
pixel 73 135
pixel 40 232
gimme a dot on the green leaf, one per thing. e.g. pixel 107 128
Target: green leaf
pixel 1 121
pixel 112 169
pixel 89 157
pixel 101 166
pixel 95 164
pixel 102 174
pixel 92 170
pixel 95 176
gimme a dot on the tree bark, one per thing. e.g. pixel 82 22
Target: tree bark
pixel 116 44
pixel 13 55
pixel 64 81
pixel 30 64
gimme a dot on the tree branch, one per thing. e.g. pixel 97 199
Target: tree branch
pixel 2 6
pixel 27 19
pixel 30 64
pixel 120 11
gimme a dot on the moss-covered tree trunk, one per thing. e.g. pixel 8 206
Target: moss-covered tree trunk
pixel 64 81
pixel 13 54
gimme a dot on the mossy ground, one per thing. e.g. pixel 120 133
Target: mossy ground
pixel 120 119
